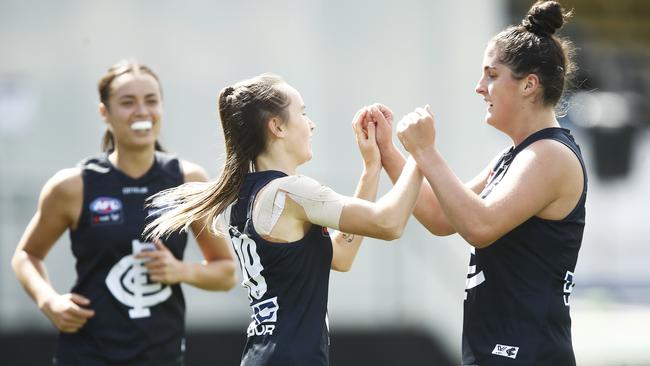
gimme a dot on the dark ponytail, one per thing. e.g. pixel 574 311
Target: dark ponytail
pixel 244 109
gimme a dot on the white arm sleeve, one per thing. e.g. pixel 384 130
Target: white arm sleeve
pixel 322 205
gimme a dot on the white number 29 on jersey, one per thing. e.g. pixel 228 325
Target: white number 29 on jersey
pixel 251 265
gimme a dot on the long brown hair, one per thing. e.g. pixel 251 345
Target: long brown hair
pixel 244 109
pixel 104 87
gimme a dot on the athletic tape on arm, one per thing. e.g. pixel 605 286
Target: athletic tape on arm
pixel 322 205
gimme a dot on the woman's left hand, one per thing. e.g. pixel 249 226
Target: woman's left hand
pixel 364 131
pixel 162 265
pixel 417 131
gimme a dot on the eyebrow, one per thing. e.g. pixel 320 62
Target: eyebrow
pixel 131 96
pixel 487 67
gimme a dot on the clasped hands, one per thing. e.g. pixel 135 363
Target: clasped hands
pixel 416 131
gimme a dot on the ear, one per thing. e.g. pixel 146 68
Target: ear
pixel 531 85
pixel 103 111
pixel 276 127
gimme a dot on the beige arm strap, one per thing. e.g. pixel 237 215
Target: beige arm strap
pixel 322 205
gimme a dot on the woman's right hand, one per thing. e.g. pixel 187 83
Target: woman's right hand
pixel 67 313
pixel 383 116
pixel 417 132
pixel 364 132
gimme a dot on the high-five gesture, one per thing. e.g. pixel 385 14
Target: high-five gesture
pixel 417 132
pixel 383 117
pixel 364 131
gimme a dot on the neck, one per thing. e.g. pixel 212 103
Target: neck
pixel 132 162
pixel 269 161
pixel 531 121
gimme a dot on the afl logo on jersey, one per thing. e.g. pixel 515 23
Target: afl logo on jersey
pixel 106 211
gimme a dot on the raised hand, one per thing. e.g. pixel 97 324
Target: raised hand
pixel 67 312
pixel 417 132
pixel 383 116
pixel 162 265
pixel 364 130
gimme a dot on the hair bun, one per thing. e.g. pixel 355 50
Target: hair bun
pixel 228 91
pixel 544 18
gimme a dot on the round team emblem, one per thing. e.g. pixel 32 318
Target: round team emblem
pixel 128 283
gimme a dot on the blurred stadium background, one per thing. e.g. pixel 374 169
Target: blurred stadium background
pixel 402 302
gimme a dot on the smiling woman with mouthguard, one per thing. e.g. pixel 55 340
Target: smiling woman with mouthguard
pixel 126 306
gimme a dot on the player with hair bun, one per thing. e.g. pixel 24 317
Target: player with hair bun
pixel 524 214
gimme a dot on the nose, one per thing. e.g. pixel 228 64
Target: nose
pixel 141 108
pixel 312 125
pixel 480 86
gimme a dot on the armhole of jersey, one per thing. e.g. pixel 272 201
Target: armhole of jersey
pixel 170 165
pixel 83 207
pixel 581 200
pixel 583 194
pixel 578 156
pixel 268 205
pixel 170 162
pixel 181 170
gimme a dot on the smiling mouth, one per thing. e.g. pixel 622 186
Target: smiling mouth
pixel 141 125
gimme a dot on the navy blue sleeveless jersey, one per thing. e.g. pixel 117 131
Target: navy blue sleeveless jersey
pixel 136 322
pixel 287 287
pixel 517 293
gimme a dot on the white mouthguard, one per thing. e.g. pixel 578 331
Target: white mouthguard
pixel 141 125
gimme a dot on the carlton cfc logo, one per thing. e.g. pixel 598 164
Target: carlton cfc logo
pixel 128 283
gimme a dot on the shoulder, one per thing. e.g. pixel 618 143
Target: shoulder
pixel 66 182
pixel 550 160
pixel 297 183
pixel 306 187
pixel 551 151
pixel 193 172
pixel 298 179
pixel 64 186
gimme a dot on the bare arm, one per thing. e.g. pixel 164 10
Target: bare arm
pixel 534 184
pixel 217 270
pixel 58 209
pixel 386 218
pixel 345 246
pixel 544 180
pixel 427 209
pixel 309 202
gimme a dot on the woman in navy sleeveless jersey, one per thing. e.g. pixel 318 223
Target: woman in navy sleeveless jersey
pixel 126 306
pixel 279 220
pixel 524 214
